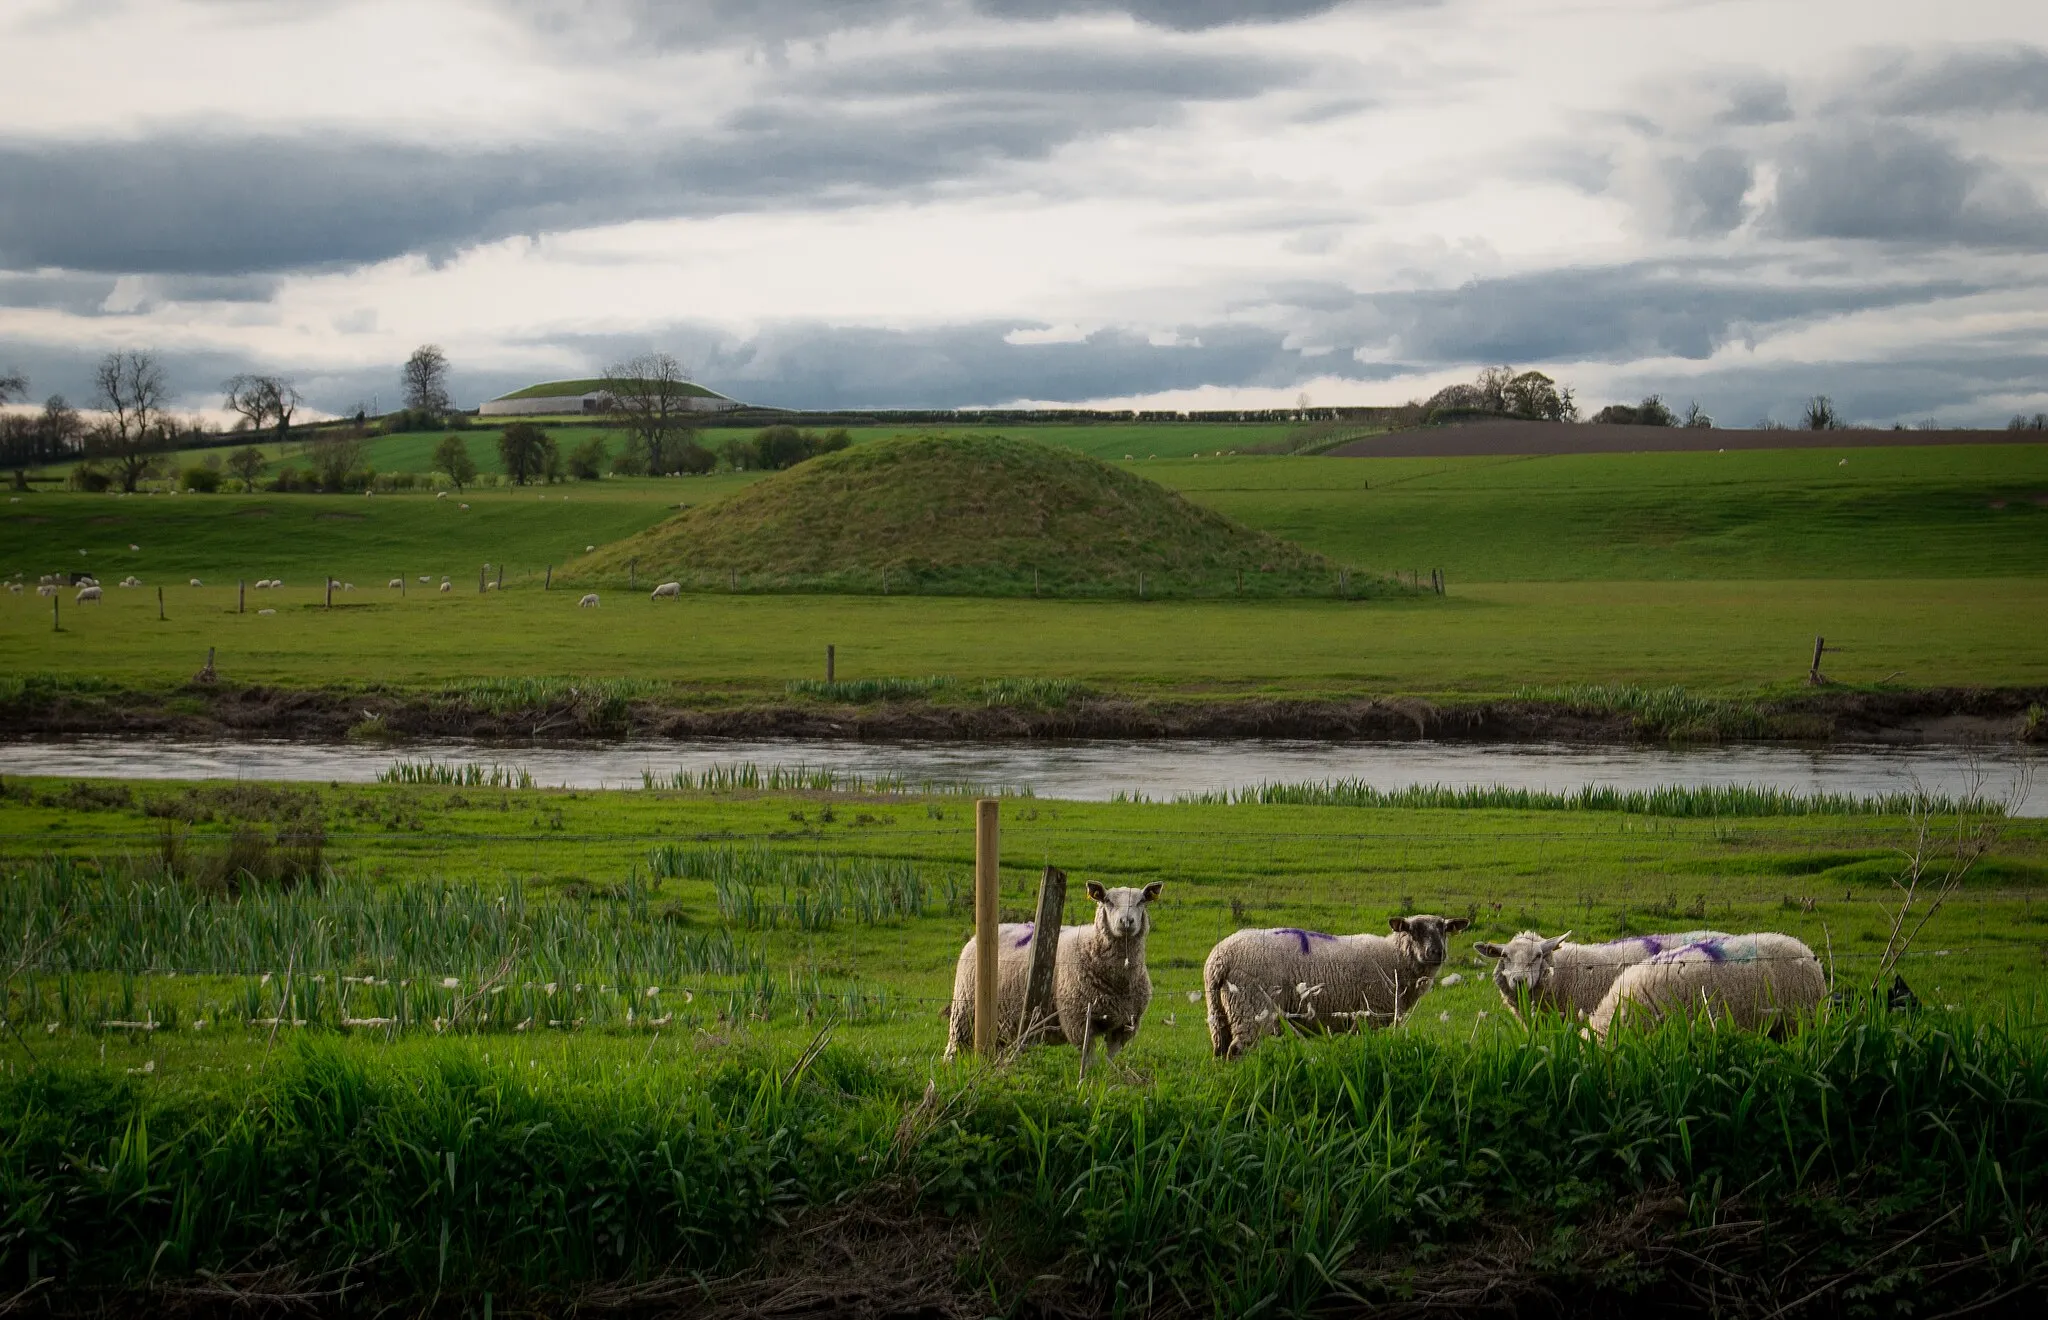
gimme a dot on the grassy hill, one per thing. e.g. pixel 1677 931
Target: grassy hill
pixel 974 515
pixel 549 389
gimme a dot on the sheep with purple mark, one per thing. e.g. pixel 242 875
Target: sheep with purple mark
pixel 1100 987
pixel 1571 978
pixel 1764 982
pixel 1255 980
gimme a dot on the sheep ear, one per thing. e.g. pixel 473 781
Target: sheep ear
pixel 1550 945
pixel 1488 949
pixel 1097 892
pixel 1456 924
pixel 1152 890
pixel 1397 923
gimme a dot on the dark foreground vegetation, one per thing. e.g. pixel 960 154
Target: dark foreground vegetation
pixel 1873 1165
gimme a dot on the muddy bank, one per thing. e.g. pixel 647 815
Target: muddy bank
pixel 1945 715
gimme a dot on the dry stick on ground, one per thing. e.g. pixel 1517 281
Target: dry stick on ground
pixel 1956 854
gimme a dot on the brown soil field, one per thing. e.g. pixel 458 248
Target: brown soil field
pixel 1502 438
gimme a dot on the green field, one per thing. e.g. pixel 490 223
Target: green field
pixel 497 1123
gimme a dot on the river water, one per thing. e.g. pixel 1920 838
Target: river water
pixel 1093 770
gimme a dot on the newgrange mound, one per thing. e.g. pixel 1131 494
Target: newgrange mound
pixel 982 515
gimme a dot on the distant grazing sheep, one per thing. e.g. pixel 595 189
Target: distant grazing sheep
pixel 667 590
pixel 426 577
pixel 589 602
pixel 131 581
pixel 1255 980
pixel 446 585
pixel 397 584
pixel 1763 982
pixel 47 589
pixel 87 593
pixel 465 506
pixel 1570 978
pixel 14 587
pixel 197 583
pixel 1100 984
pixel 440 494
pixel 133 546
pixel 266 611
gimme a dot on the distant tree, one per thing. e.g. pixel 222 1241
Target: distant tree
pixel 426 381
pixel 260 400
pixel 524 449
pixel 1535 395
pixel 1650 412
pixel 1696 418
pixel 2022 422
pixel 29 440
pixel 336 457
pixel 1821 415
pixel 13 387
pixel 1492 386
pixel 452 456
pixel 694 459
pixel 247 463
pixel 586 463
pixel 650 397
pixel 130 390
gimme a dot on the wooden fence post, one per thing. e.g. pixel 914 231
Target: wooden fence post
pixel 501 577
pixel 241 596
pixel 1034 582
pixel 482 577
pixel 56 621
pixel 159 604
pixel 830 660
pixel 549 583
pixel 1045 950
pixel 632 575
pixel 735 580
pixel 330 591
pixel 1813 675
pixel 987 878
pixel 1141 586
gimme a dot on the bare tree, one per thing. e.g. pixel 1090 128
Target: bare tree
pixel 426 381
pixel 1821 415
pixel 262 399
pixel 13 387
pixel 650 395
pixel 1938 857
pixel 130 389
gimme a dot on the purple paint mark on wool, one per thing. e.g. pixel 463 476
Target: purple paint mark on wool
pixel 1304 936
pixel 1027 935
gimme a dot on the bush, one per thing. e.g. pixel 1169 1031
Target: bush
pixel 1650 412
pixel 87 478
pixel 586 462
pixel 201 480
pixel 289 478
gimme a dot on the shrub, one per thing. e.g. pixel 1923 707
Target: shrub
pixel 203 480
pixel 586 461
pixel 88 478
pixel 452 457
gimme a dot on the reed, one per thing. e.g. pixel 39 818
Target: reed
pixel 746 777
pixel 469 774
pixel 1885 1156
pixel 1677 800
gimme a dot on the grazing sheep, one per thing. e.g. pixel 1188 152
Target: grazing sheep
pixel 589 602
pixel 397 584
pixel 426 577
pixel 348 586
pixel 667 591
pixel 47 580
pixel 1256 979
pixel 440 494
pixel 47 589
pixel 1100 986
pixel 1763 982
pixel 1571 978
pixel 14 587
pixel 197 583
pixel 266 611
pixel 465 506
pixel 87 593
pixel 446 585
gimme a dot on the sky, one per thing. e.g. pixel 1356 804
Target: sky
pixel 1113 203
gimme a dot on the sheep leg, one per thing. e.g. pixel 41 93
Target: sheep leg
pixel 1214 981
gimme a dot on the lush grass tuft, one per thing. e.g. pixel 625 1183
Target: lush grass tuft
pixel 1681 800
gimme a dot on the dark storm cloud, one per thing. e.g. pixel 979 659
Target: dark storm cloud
pixel 1965 82
pixel 219 205
pixel 1608 314
pixel 1945 386
pixel 1890 183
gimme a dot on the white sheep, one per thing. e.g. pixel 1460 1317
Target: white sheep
pixel 348 586
pixel 1762 982
pixel 47 589
pixel 440 494
pixel 197 583
pixel 47 580
pixel 1100 985
pixel 1570 978
pixel 446 585
pixel 14 588
pixel 131 581
pixel 426 577
pixel 87 593
pixel 589 602
pixel 667 591
pixel 266 611
pixel 397 584
pixel 1255 980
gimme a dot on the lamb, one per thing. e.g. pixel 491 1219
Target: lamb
pixel 589 602
pixel 87 593
pixel 1763 982
pixel 667 591
pixel 1100 986
pixel 1571 978
pixel 1256 979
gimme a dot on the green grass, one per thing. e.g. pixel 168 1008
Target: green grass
pixel 1711 637
pixel 979 515
pixel 1906 512
pixel 570 1129
pixel 553 387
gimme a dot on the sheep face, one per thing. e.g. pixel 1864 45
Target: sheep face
pixel 1522 965
pixel 1120 913
pixel 1429 935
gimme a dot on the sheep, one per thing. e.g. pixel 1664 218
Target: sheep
pixel 130 581
pixel 397 584
pixel 14 588
pixel 87 593
pixel 667 591
pixel 197 583
pixel 1256 979
pixel 1762 982
pixel 446 585
pixel 589 602
pixel 47 589
pixel 440 494
pixel 266 611
pixel 1570 978
pixel 426 577
pixel 1100 986
pixel 47 580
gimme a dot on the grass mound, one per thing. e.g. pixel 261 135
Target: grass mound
pixel 973 515
pixel 551 389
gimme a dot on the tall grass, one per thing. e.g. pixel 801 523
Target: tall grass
pixel 1052 692
pixel 1709 800
pixel 466 775
pixel 761 890
pixel 1897 1159
pixel 1670 712
pixel 747 777
pixel 510 695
